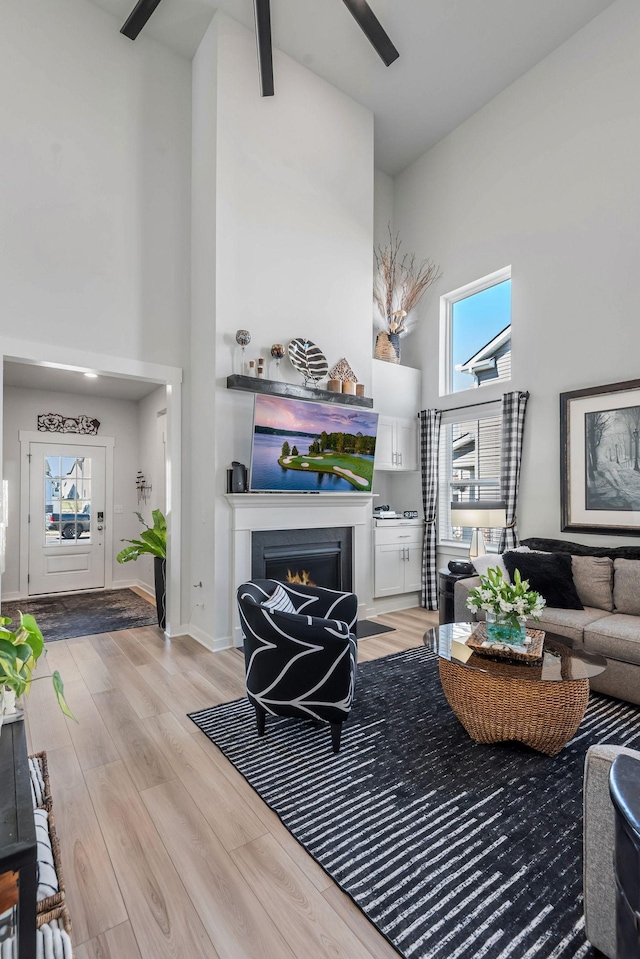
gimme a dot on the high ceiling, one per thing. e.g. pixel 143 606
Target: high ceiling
pixel 455 55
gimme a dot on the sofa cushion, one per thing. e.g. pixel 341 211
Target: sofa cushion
pixel 616 636
pixel 626 586
pixel 593 578
pixel 548 574
pixel 569 623
pixel 489 561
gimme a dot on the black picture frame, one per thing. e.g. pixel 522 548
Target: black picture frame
pixel 600 459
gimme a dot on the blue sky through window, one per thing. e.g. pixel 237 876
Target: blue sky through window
pixel 475 321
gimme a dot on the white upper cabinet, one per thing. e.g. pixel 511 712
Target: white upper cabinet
pixel 397 394
pixel 397 444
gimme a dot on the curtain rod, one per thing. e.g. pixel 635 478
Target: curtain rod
pixel 468 406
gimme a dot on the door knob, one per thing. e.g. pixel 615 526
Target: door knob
pixel 99 528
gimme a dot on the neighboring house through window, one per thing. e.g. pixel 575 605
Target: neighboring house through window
pixel 469 466
pixel 475 333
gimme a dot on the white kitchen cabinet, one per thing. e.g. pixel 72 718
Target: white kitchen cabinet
pixel 397 444
pixel 397 556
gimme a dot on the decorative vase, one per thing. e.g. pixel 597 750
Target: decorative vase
pixel 388 347
pixel 501 628
pixel 160 578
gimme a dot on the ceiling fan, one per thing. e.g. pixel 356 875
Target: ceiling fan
pixel 363 15
pixel 360 10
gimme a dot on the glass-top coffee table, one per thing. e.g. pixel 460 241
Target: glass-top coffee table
pixel 540 704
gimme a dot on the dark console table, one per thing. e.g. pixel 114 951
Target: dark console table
pixel 446 586
pixel 18 831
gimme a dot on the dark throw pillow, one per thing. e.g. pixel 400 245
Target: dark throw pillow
pixel 549 574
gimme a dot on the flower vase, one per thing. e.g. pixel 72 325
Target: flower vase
pixel 505 628
pixel 388 347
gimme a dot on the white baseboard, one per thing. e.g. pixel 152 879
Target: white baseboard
pixel 149 590
pixel 209 642
pixel 119 584
pixel 393 604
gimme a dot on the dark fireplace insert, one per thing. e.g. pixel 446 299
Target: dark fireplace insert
pixel 312 557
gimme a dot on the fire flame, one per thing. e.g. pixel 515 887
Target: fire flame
pixel 300 579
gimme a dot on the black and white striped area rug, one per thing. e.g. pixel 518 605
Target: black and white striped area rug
pixel 453 850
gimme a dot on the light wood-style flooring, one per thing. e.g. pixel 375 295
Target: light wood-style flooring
pixel 167 852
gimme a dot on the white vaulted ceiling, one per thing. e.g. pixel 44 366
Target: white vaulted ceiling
pixel 455 55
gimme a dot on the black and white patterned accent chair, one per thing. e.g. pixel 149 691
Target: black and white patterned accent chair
pixel 300 663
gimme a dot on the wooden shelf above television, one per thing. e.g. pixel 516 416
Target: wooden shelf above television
pixel 251 384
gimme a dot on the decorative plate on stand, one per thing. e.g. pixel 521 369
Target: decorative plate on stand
pixel 308 359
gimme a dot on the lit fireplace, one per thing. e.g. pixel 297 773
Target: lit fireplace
pixel 301 578
pixel 307 557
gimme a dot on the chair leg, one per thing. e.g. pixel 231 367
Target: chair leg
pixel 336 733
pixel 260 719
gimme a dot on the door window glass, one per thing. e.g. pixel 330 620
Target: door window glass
pixel 67 497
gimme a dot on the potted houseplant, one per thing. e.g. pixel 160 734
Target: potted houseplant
pixel 20 650
pixel 507 606
pixel 399 284
pixel 153 542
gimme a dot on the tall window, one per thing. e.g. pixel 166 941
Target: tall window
pixel 476 333
pixel 469 467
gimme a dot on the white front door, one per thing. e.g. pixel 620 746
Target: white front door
pixel 66 517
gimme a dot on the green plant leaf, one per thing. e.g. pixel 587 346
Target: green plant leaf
pixel 34 637
pixel 58 687
pixel 159 522
pixel 153 540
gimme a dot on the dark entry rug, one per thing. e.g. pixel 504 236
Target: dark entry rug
pixel 84 614
pixel 453 850
pixel 364 628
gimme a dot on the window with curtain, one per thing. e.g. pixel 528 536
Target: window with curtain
pixel 469 467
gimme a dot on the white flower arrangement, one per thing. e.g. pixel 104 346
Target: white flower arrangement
pixel 513 602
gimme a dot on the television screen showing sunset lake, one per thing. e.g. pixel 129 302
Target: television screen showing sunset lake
pixel 309 447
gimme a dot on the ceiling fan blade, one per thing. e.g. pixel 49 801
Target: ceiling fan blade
pixel 262 10
pixel 372 28
pixel 138 17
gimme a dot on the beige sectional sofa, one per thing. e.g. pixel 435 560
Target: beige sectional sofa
pixel 608 584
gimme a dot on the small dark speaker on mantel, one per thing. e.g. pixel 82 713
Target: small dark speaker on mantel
pixel 237 478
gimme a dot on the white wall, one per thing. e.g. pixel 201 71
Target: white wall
pixel 95 188
pixel 118 418
pixel 151 425
pixel 94 184
pixel 383 186
pixel 293 207
pixel 544 178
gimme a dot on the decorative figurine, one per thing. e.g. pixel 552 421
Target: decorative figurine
pixel 243 338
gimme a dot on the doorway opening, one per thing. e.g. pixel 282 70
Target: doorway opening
pixel 69 498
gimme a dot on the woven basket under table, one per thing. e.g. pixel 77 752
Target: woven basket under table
pixel 60 913
pixel 42 760
pixel 58 898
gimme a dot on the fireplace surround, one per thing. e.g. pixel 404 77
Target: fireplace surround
pixel 256 512
pixel 313 557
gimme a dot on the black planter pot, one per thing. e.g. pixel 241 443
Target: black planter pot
pixel 160 578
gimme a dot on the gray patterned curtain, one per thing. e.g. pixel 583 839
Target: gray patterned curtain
pixel 429 441
pixel 513 410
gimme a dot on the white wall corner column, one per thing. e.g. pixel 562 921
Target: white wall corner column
pixel 269 511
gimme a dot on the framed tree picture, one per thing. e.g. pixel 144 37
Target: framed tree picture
pixel 600 459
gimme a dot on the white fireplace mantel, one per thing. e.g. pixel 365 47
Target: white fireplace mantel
pixel 265 511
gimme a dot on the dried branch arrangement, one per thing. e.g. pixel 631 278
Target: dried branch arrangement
pixel 399 284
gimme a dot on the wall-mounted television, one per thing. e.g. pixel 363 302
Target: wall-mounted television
pixel 305 447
